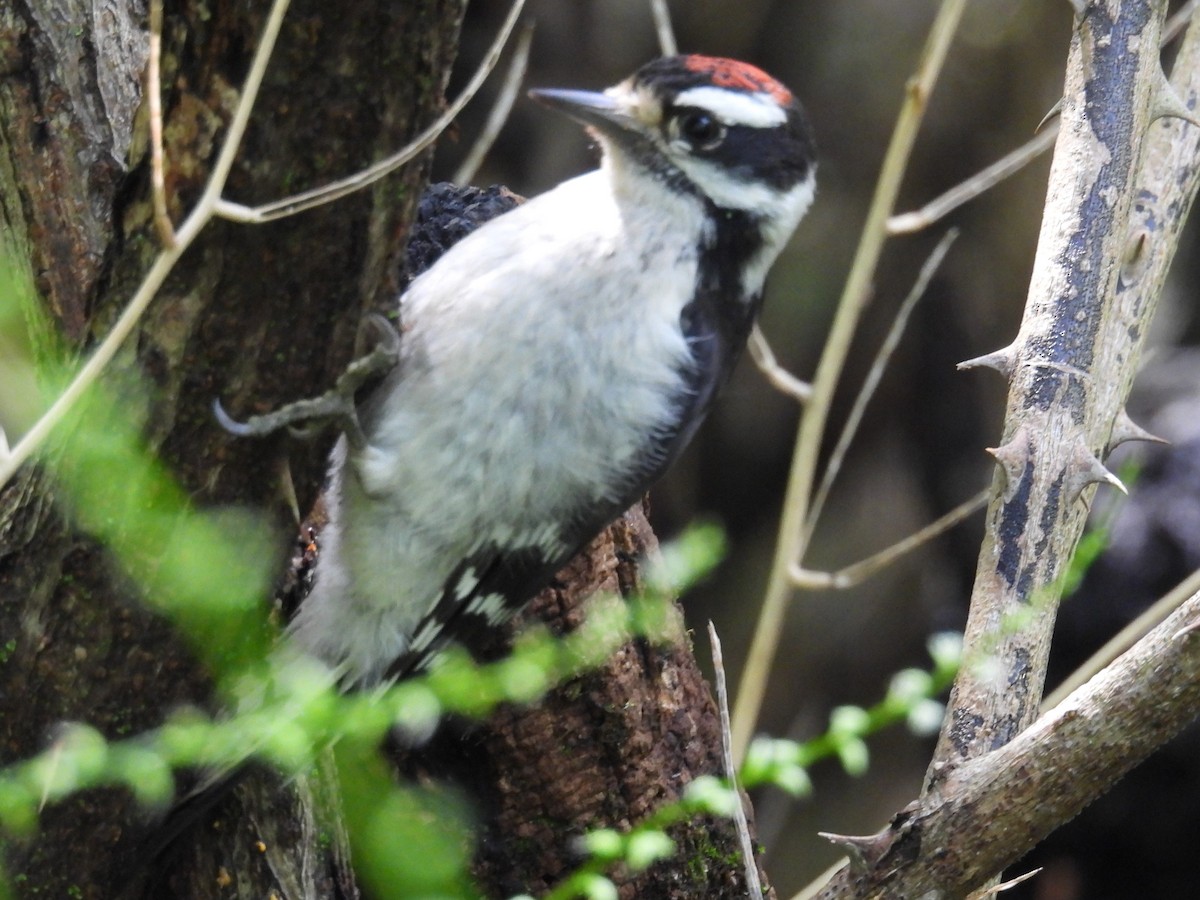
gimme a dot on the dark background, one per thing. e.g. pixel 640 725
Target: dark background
pixel 920 450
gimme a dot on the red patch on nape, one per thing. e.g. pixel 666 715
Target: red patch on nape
pixel 730 73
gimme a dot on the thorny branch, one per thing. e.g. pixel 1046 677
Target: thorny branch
pixel 965 830
pixel 1124 177
pixel 1069 370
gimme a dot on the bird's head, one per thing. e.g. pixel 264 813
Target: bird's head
pixel 721 129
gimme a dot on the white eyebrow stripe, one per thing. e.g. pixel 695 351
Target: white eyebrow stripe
pixel 735 107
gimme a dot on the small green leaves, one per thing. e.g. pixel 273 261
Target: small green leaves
pixel 686 560
pixel 946 650
pixel 777 762
pixel 711 795
pixel 648 847
pixel 18 807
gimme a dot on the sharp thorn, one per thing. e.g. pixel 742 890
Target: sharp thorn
pixel 1125 429
pixel 1012 458
pixel 1087 469
pixel 863 851
pixel 1186 631
pixel 1001 360
pixel 1056 109
pixel 1169 105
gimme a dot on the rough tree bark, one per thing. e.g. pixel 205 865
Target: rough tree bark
pixel 259 316
pixel 250 315
pixel 1124 176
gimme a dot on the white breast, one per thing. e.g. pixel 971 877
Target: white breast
pixel 532 374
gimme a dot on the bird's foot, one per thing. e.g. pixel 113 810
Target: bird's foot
pixel 304 418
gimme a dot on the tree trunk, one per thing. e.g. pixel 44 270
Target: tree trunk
pixel 254 315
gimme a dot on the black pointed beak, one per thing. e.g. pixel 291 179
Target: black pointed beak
pixel 596 110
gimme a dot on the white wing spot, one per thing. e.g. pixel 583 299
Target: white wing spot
pixel 545 539
pixel 467 582
pixel 492 606
pixel 425 636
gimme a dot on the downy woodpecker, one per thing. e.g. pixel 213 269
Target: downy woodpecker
pixel 555 362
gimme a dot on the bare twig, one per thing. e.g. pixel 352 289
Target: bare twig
pixel 335 190
pixel 860 571
pixel 1011 163
pixel 505 99
pixel 753 882
pixel 158 190
pixel 779 377
pixel 165 261
pixel 662 26
pixel 878 366
pixel 1125 638
pixel 791 544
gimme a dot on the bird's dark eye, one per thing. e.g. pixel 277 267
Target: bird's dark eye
pixel 700 129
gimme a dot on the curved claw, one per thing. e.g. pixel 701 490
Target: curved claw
pixel 387 334
pixel 230 424
pixel 305 431
pixel 306 418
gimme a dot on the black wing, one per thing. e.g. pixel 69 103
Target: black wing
pixel 484 591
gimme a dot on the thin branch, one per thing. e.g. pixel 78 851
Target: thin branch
pixel 852 575
pixel 882 358
pixel 779 377
pixel 163 263
pixel 158 190
pixel 753 882
pixel 335 190
pixel 791 544
pixel 505 99
pixel 662 26
pixel 1011 163
pixel 1125 638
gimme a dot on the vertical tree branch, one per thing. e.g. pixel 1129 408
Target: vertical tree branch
pixel 1070 369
